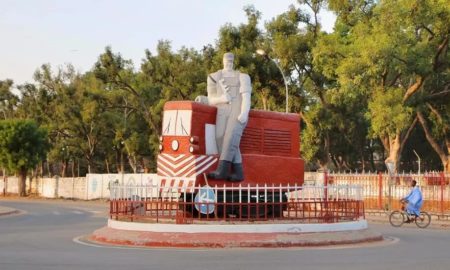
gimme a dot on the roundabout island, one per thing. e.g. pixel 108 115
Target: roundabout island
pixel 228 176
pixel 305 219
pixel 233 236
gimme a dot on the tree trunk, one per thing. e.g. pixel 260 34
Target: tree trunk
pixel 447 166
pixel 363 160
pixel 4 181
pixel 133 163
pixel 396 144
pixel 371 158
pixel 122 163
pixel 447 143
pixel 31 183
pixel 118 161
pixel 49 173
pixel 445 158
pixel 73 168
pixel 90 165
pixel 336 164
pixel 63 168
pixel 107 165
pixel 41 169
pixel 325 160
pixel 22 182
pixel 414 88
pixel 394 151
pixel 385 141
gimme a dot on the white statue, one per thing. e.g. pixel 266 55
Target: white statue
pixel 230 91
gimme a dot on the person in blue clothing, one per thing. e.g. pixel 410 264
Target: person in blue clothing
pixel 413 201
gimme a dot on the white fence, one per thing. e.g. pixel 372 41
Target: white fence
pixel 93 186
pixel 293 193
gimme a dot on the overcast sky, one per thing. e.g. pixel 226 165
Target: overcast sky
pixel 35 32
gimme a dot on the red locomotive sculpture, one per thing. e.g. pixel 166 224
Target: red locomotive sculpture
pixel 269 146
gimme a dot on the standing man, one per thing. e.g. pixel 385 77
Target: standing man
pixel 230 91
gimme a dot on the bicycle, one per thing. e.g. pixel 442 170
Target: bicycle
pixel 398 217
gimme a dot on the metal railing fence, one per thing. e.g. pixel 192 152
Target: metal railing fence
pixel 240 203
pixel 435 188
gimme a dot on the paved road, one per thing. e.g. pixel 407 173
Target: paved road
pixel 42 238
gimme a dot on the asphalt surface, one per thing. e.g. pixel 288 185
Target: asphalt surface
pixel 42 237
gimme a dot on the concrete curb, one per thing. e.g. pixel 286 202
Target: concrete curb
pixel 6 211
pixel 215 227
pixel 109 236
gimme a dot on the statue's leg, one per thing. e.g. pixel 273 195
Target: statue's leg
pixel 231 141
pixel 223 114
pixel 237 168
pixel 223 169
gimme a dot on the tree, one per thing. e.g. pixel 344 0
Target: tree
pixel 117 74
pixel 8 100
pixel 22 146
pixel 391 51
pixel 78 107
pixel 133 90
pixel 331 115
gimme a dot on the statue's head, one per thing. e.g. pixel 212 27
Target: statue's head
pixel 228 59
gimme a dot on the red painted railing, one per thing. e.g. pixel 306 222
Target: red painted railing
pixel 237 204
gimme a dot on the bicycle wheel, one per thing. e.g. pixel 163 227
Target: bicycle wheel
pixel 396 218
pixel 423 220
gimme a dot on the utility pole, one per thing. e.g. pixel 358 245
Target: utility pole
pixel 391 169
pixel 418 170
pixel 263 53
pixel 418 161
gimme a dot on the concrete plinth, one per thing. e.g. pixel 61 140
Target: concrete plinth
pixel 233 235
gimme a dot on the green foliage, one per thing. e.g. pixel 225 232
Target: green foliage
pixel 315 134
pixel 22 144
pixel 387 113
pixel 354 88
pixel 8 101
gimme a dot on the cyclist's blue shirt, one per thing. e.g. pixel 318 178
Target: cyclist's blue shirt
pixel 414 201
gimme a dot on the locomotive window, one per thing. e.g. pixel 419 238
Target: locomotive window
pixel 177 123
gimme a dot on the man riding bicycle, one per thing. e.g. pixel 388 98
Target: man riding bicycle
pixel 413 201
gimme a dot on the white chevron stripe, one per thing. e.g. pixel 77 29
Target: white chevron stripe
pixel 162 171
pixel 206 167
pixel 192 164
pixel 176 172
pixel 179 173
pixel 168 167
pixel 165 164
pixel 176 165
pixel 168 171
pixel 173 158
pixel 170 161
pixel 198 168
